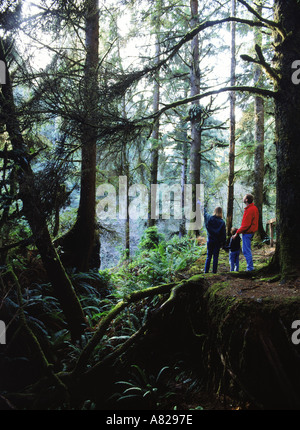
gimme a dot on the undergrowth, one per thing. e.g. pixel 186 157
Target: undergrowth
pixel 157 261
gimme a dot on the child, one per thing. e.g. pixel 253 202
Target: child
pixel 216 232
pixel 234 250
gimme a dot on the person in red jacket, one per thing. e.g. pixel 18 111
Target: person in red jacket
pixel 248 227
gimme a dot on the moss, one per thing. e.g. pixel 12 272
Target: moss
pixel 217 286
pixel 196 278
pixel 271 279
pixel 194 269
pixel 220 306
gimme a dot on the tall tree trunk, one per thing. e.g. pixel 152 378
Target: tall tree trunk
pixel 232 97
pixel 127 225
pixel 287 117
pixel 195 157
pixel 82 245
pixel 259 162
pixel 33 211
pixel 155 131
pixel 126 169
pixel 182 227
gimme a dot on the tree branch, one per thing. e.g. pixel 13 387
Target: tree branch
pixel 23 242
pixel 174 289
pixel 105 321
pixel 262 62
pixel 259 91
pixel 271 24
pixel 121 86
pixel 270 71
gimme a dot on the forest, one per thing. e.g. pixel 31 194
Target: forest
pixel 124 126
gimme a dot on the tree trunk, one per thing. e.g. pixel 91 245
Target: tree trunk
pixel 127 221
pixel 82 245
pixel 33 211
pixel 259 162
pixel 287 117
pixel 155 131
pixel 195 157
pixel 259 166
pixel 182 227
pixel 232 125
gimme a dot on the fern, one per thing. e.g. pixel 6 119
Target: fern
pixel 152 390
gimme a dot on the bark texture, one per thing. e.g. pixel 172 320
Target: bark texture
pixel 287 116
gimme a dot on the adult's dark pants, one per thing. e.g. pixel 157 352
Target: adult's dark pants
pixel 213 249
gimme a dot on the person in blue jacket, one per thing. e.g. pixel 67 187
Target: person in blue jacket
pixel 216 237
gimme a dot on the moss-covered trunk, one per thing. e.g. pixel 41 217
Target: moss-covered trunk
pixel 287 116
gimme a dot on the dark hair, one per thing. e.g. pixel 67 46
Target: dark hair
pixel 233 230
pixel 249 197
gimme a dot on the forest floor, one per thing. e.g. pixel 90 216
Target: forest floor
pixel 244 285
pixel 254 286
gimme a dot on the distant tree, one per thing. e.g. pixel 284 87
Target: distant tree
pixel 231 176
pixel 259 117
pixel 157 14
pixel 195 111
